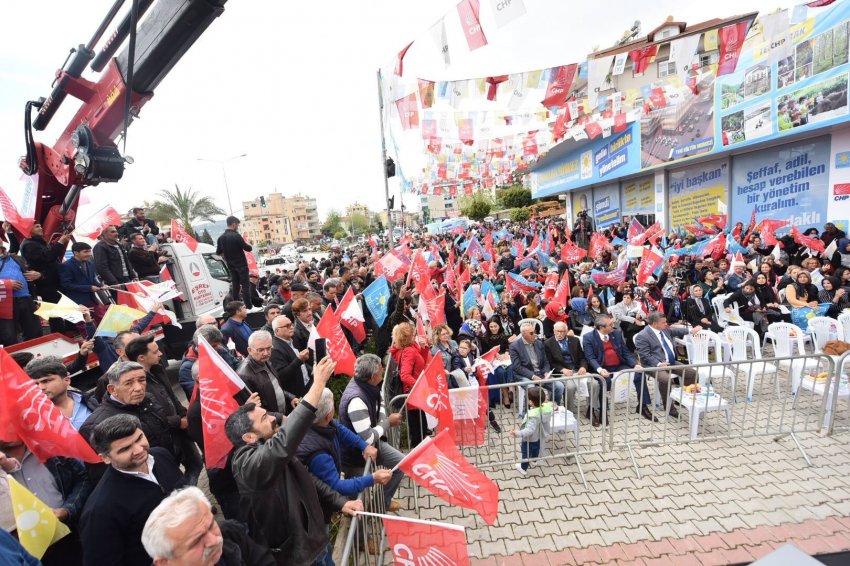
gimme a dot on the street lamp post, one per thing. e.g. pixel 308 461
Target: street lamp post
pixel 223 164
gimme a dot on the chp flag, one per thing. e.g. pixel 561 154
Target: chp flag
pixel 181 236
pixel 426 543
pixel 351 316
pixel 437 465
pixel 217 384
pixel 431 393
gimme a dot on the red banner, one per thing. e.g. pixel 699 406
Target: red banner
pixel 13 217
pixel 468 11
pixel 217 384
pixel 731 41
pixel 6 302
pixel 338 348
pixel 30 416
pixel 418 542
pixel 439 466
pixel 431 394
pixel 571 253
pixel 180 236
pixel 648 264
pixel 642 58
pixel 550 285
pixel 560 82
pixel 105 217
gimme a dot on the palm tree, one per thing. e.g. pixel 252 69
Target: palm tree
pixel 185 206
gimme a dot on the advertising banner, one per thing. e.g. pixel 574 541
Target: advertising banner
pixel 606 205
pixel 789 182
pixel 638 197
pixel 697 191
pixel 600 160
pixel 839 180
pixel 581 202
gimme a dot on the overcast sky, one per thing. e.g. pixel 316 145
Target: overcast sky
pixel 293 85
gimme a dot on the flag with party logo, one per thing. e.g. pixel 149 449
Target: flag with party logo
pixel 181 236
pixel 118 318
pixel 377 295
pixel 65 309
pixel 37 526
pixel 417 542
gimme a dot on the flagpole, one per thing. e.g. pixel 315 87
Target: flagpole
pixel 411 520
pixel 384 160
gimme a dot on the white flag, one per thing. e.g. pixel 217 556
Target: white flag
pixel 682 53
pixel 597 73
pixel 506 11
pixel 438 34
pixel 620 63
pixel 519 91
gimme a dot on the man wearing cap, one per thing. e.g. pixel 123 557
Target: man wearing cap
pixel 232 248
pixel 297 291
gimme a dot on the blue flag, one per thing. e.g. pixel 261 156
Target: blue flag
pixel 377 296
pixel 618 241
pixel 468 300
pixel 487 287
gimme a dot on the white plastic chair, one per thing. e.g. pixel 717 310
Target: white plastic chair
pixel 698 348
pixel 538 324
pixel 785 337
pixel 844 321
pixel 740 338
pixel 823 329
pixel 720 311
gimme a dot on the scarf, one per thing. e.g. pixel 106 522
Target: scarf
pixel 552 309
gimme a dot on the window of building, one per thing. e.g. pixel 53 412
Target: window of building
pixel 666 68
pixel 709 58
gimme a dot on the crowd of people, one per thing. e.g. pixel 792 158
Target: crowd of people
pixel 299 453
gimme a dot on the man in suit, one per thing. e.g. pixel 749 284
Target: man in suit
pixel 606 352
pixel 566 358
pixel 77 277
pixel 529 363
pixel 289 364
pixel 655 348
pixel 258 374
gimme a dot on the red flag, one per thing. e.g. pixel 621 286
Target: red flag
pixel 620 122
pixel 179 235
pixel 420 328
pixel 408 111
pixel 419 272
pixel 611 278
pixel 136 298
pixel 422 542
pixel 391 266
pixel 642 58
pixel 493 87
pixel 338 348
pixel 560 81
pixel 484 364
pixel 451 276
pixel 435 306
pixel 560 128
pixel 731 41
pixel 6 302
pixel 658 99
pixel 431 393
pixel 399 65
pixel 13 217
pixel 351 316
pixel 217 384
pixel 819 3
pixel 598 244
pixel 440 467
pixel 468 11
pixel 653 232
pixel 465 131
pixel 550 285
pixel 648 264
pixel 635 235
pixel 593 129
pixel 562 293
pixel 30 416
pixel 814 244
pixel 105 217
pixel 165 275
pixel 571 253
pixel 752 225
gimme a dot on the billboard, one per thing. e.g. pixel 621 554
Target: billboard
pixel 697 191
pixel 606 205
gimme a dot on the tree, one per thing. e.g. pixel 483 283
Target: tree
pixel 515 197
pixel 339 234
pixel 476 207
pixel 358 223
pixel 377 225
pixel 186 207
pixel 205 237
pixel 332 224
pixel 520 214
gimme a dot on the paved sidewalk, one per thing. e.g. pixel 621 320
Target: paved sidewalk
pixel 713 502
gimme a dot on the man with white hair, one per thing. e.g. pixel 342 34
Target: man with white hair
pixel 259 375
pixel 182 531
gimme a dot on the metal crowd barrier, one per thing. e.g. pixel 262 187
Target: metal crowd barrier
pixel 778 397
pixel 837 414
pixel 365 537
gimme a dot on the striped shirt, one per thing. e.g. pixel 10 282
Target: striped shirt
pixel 358 412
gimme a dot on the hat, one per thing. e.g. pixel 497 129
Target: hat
pixel 299 287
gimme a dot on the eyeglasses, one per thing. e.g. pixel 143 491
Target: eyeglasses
pixel 285 325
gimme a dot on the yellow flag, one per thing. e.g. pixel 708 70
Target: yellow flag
pixel 65 308
pixel 709 39
pixel 117 319
pixel 38 527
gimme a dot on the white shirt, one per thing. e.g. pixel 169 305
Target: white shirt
pixel 145 476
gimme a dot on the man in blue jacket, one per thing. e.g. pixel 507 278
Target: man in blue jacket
pixel 78 276
pixel 321 451
pixel 606 353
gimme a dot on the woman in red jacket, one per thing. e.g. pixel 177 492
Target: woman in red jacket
pixel 410 354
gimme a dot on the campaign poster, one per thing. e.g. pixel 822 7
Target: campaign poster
pixel 638 197
pixel 788 182
pixel 839 181
pixel 606 205
pixel 581 202
pixel 697 191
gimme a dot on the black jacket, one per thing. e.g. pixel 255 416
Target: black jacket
pixel 160 390
pixel 45 259
pixel 154 423
pixel 73 483
pixel 556 357
pixel 239 549
pixel 232 248
pixel 116 512
pixel 132 226
pixel 144 262
pixel 258 378
pixel 287 366
pixel 107 263
pixel 693 316
pixel 284 503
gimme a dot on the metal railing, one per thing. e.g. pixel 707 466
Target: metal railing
pixel 365 537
